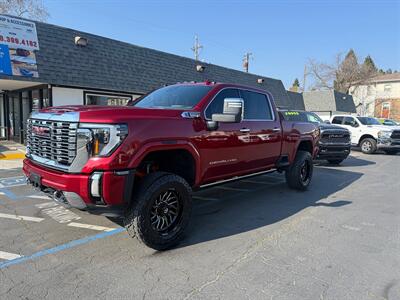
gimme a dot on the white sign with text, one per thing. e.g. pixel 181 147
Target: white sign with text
pixel 18 33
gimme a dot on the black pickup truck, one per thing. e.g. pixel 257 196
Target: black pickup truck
pixel 334 144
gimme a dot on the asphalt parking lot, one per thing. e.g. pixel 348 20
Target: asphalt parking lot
pixel 252 239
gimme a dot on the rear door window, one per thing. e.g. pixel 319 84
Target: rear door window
pixel 348 121
pixel 337 120
pixel 256 106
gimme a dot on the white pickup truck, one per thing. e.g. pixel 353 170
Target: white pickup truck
pixel 369 134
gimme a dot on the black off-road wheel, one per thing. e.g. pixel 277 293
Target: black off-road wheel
pixel 299 174
pixel 161 210
pixel 335 161
pixel 368 146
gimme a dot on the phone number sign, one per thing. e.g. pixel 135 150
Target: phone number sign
pixel 18 33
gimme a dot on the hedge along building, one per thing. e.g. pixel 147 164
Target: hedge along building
pixel 46 65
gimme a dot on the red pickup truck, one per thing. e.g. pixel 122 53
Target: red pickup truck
pixel 145 159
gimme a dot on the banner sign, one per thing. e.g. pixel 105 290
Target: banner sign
pixel 18 33
pixel 18 42
pixel 5 62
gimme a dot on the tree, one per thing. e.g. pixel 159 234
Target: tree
pixel 31 9
pixel 342 74
pixel 369 64
pixel 295 86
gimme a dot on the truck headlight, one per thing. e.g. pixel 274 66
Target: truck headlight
pixel 105 138
pixel 384 134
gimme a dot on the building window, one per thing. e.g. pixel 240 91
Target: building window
pixel 387 87
pixel 103 99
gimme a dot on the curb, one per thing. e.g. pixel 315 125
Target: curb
pixel 12 155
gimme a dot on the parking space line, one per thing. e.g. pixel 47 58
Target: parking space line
pixel 8 255
pixel 21 218
pixel 89 226
pixel 228 188
pixel 59 248
pixel 39 197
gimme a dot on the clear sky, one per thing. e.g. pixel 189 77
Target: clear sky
pixel 282 35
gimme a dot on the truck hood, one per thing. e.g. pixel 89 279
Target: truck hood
pixel 383 127
pixel 324 126
pixel 111 114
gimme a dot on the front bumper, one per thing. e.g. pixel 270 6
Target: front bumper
pixel 75 190
pixel 333 151
pixel 389 144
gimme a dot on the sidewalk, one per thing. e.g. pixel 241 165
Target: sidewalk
pixel 11 154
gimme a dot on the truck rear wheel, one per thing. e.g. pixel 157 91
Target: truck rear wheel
pixel 299 174
pixel 368 146
pixel 161 210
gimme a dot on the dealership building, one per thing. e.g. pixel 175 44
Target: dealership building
pixel 46 65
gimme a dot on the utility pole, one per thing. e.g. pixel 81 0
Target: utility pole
pixel 304 78
pixel 246 60
pixel 196 48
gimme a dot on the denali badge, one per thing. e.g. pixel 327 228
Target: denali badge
pixel 41 131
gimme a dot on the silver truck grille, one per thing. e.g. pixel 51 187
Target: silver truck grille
pixel 52 140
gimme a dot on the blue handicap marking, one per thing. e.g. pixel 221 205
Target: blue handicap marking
pixel 12 181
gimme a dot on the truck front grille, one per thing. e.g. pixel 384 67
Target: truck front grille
pixel 52 140
pixel 335 137
pixel 395 134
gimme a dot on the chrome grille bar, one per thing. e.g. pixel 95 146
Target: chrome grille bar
pixel 52 140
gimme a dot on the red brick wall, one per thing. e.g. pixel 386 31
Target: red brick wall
pixel 394 108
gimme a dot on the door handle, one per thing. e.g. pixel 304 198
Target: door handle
pixel 245 130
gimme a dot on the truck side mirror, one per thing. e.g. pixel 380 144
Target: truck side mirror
pixel 232 113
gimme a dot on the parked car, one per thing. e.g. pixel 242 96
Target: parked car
pixel 369 134
pixel 388 122
pixel 334 144
pixel 145 159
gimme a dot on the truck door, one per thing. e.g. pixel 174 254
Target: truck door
pixel 264 130
pixel 352 125
pixel 223 151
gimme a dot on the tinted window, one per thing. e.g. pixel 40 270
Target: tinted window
pixel 368 121
pixel 349 121
pixel 314 118
pixel 295 116
pixel 174 97
pixel 217 105
pixel 337 120
pixel 256 106
pixel 301 116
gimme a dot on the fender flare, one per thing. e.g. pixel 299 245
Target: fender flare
pixel 166 145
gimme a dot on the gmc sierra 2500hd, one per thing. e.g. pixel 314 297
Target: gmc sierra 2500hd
pixel 144 159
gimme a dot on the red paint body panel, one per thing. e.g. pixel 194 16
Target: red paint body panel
pixel 218 154
pixel 112 188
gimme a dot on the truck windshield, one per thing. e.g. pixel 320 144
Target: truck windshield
pixel 301 116
pixel 368 121
pixel 174 97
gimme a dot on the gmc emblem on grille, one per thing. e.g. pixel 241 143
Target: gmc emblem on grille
pixel 333 136
pixel 41 131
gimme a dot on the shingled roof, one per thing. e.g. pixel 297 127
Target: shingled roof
pixel 329 100
pixel 118 66
pixel 296 100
